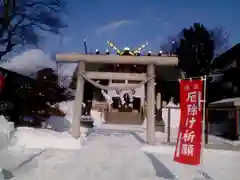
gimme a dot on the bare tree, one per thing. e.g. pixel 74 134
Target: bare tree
pixel 22 21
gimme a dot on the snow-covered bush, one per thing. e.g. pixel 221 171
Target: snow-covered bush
pixel 6 131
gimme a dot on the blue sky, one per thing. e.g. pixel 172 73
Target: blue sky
pixel 133 22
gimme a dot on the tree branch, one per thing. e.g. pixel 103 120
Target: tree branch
pixel 23 17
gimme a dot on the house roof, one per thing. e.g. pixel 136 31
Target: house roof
pixel 227 58
pixel 17 78
pixel 229 102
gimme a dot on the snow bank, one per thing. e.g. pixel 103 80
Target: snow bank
pixel 26 137
pixel 65 73
pixel 163 149
pixel 98 118
pixel 67 108
pixel 57 135
pixel 6 131
pixel 56 123
pixel 62 124
pixel 166 149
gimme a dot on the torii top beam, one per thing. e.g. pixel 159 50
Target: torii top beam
pixel 115 59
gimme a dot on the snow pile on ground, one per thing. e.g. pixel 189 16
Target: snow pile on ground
pixel 26 137
pixel 167 149
pixel 221 140
pixel 98 118
pixel 144 123
pixel 59 124
pixel 6 131
pixel 164 149
pixel 56 136
pixel 65 73
pixel 29 62
pixel 62 124
pixel 67 108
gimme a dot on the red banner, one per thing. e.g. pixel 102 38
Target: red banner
pixel 2 80
pixel 188 148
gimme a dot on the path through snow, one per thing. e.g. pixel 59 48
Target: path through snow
pixel 106 156
pixel 114 153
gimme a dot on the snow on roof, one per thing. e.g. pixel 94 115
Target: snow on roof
pixel 31 61
pixel 226 102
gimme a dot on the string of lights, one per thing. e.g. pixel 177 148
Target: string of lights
pixel 137 53
pixel 199 77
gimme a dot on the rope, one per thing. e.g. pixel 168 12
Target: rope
pixel 114 87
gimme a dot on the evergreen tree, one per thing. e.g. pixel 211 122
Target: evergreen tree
pixel 38 99
pixel 195 48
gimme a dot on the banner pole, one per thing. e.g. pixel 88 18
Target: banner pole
pixel 203 118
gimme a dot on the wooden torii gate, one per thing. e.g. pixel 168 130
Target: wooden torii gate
pixel 150 61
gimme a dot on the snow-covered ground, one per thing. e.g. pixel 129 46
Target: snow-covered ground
pixel 110 152
pixel 56 134
pixel 114 152
pixel 217 164
pixel 6 131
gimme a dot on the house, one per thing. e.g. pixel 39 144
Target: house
pixel 223 118
pixel 224 93
pixel 230 58
pixel 226 69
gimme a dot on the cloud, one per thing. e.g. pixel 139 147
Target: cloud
pixel 64 39
pixel 112 26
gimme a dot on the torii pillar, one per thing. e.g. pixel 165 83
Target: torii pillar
pixel 151 105
pixel 77 109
